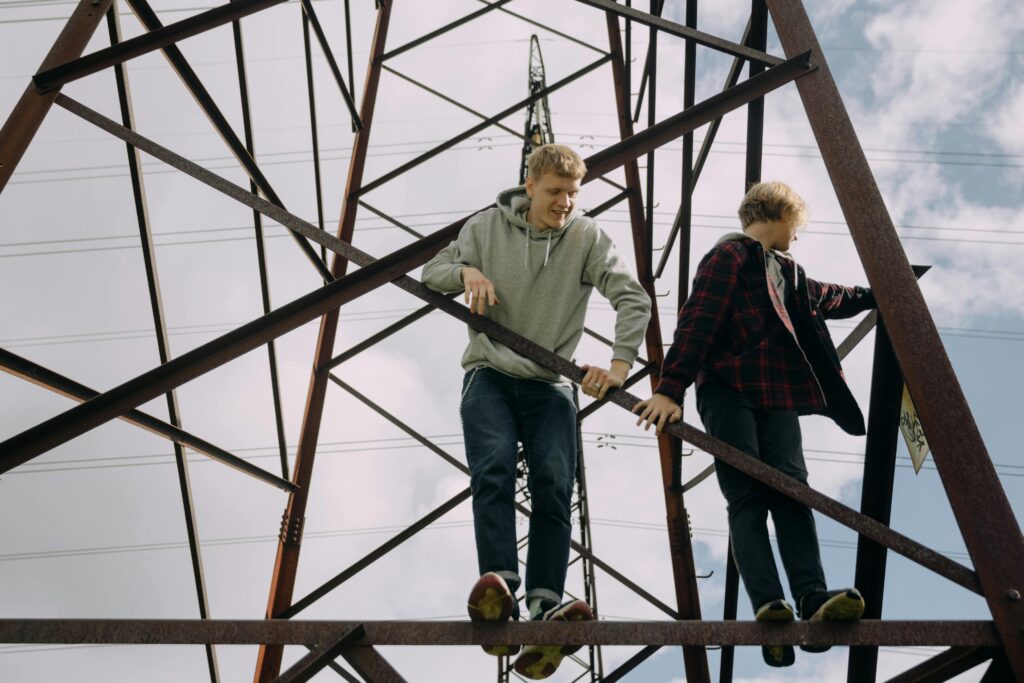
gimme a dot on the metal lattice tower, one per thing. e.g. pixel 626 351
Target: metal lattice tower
pixel 538 129
pixel 907 348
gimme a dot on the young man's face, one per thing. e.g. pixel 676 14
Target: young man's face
pixel 552 199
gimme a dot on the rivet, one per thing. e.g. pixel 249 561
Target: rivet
pixel 1013 595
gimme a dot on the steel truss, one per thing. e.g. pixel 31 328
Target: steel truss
pixel 907 347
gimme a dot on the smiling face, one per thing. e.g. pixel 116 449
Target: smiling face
pixel 552 199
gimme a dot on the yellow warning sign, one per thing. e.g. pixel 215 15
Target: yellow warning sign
pixel 913 433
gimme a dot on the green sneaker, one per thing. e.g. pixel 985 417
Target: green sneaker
pixel 846 604
pixel 540 661
pixel 776 610
pixel 491 600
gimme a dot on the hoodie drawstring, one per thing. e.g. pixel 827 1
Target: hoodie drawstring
pixel 526 249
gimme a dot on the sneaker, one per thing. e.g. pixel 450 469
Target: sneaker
pixel 781 611
pixel 845 604
pixel 491 600
pixel 540 661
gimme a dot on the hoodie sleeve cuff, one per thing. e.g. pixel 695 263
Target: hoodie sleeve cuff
pixel 625 354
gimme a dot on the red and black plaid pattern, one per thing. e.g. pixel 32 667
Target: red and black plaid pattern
pixel 736 325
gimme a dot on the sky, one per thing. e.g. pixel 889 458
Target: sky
pixel 94 528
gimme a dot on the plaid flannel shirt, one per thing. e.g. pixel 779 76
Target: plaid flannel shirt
pixel 736 325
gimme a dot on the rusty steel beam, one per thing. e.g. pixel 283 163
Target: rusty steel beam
pixel 24 120
pixel 944 665
pixel 706 111
pixel 314 134
pixel 374 555
pixel 684 573
pixel 310 14
pixel 59 384
pixel 731 79
pixel 633 662
pixel 286 561
pixel 42 437
pixel 320 657
pixel 436 514
pixel 983 513
pixel 680 31
pixel 107 406
pixel 369 664
pixel 661 633
pixel 148 18
pixel 160 330
pixel 452 101
pixel 444 29
pixel 876 491
pixel 547 28
pixel 483 125
pixel 261 256
pixel 56 77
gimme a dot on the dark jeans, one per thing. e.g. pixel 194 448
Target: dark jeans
pixel 497 411
pixel 773 437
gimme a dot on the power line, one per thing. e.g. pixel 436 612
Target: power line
pixel 598 439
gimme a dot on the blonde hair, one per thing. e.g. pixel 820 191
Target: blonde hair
pixel 557 159
pixel 771 201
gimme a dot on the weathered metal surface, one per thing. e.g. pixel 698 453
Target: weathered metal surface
pixel 286 560
pixel 684 581
pixel 320 657
pixel 194 85
pixel 444 29
pixel 374 555
pixel 672 28
pixel 160 333
pixel 294 632
pixel 310 13
pixel 983 513
pixel 57 76
pixel 943 666
pixel 24 120
pixel 698 115
pixel 486 123
pixel 371 665
pixel 57 383
pixel 257 218
pixel 110 405
pixel 876 492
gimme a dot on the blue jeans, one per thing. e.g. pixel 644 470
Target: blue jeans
pixel 497 412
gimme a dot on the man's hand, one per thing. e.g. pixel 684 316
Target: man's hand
pixel 658 410
pixel 479 290
pixel 597 381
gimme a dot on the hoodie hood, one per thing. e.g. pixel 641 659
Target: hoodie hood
pixel 514 205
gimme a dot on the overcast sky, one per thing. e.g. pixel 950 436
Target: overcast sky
pixel 94 528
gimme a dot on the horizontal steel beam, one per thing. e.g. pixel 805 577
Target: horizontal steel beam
pixel 58 76
pixel 295 632
pixel 674 29
pixel 57 383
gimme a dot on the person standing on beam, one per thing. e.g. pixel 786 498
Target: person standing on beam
pixel 752 336
pixel 530 264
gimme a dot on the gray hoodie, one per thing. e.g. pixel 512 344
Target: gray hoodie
pixel 543 280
